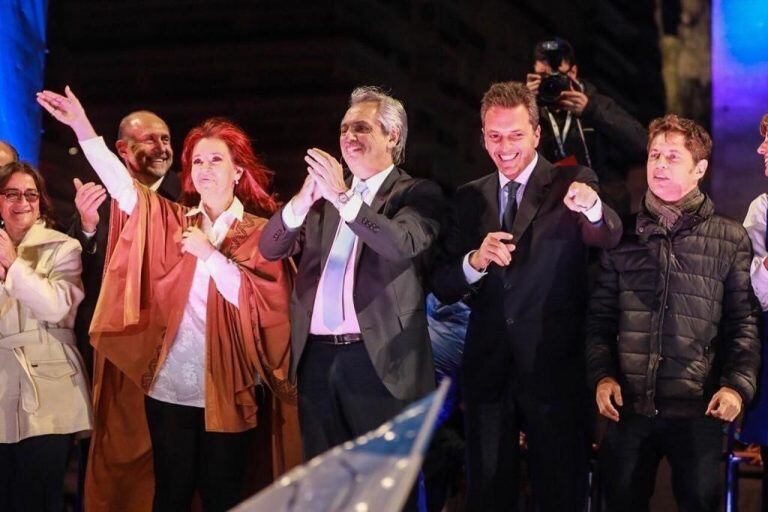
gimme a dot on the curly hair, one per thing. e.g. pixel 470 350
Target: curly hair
pixel 697 140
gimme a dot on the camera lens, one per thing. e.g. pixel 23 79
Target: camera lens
pixel 551 86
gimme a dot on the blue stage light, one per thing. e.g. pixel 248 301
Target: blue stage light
pixel 746 30
pixel 22 63
pixel 739 100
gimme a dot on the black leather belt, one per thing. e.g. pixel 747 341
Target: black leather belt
pixel 335 339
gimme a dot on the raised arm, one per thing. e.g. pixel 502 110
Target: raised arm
pixel 116 178
pixel 283 235
pixel 600 225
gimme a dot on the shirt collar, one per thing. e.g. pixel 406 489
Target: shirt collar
pixel 38 234
pixel 374 182
pixel 235 211
pixel 156 185
pixel 524 176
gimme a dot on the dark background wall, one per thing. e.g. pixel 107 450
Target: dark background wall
pixel 283 70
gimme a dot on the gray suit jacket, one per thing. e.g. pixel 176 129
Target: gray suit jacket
pixel 395 233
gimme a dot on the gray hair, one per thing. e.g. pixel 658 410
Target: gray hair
pixel 391 114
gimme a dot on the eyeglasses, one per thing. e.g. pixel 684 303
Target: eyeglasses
pixel 14 195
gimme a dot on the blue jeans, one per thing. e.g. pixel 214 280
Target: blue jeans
pixel 447 329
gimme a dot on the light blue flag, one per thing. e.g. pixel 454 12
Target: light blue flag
pixel 374 472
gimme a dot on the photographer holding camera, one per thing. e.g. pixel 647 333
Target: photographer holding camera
pixel 578 122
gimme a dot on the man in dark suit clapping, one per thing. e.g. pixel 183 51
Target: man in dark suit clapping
pixel 359 331
pixel 517 250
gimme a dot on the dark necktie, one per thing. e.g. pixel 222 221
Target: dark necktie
pixel 511 210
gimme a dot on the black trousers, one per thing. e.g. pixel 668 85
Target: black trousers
pixel 187 458
pixel 82 448
pixel 32 473
pixel 340 396
pixel 633 448
pixel 557 450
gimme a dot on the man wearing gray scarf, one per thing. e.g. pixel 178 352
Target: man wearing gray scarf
pixel 672 331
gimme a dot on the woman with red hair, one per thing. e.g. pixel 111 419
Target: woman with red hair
pixel 251 189
pixel 191 319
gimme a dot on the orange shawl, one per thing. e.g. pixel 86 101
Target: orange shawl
pixel 145 289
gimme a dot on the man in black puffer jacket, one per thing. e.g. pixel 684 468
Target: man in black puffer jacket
pixel 672 332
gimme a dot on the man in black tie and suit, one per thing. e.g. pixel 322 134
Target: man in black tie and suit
pixel 359 331
pixel 517 252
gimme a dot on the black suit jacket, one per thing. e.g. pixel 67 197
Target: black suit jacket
pixel 395 232
pixel 527 319
pixel 93 264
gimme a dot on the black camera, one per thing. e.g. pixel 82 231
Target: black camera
pixel 552 84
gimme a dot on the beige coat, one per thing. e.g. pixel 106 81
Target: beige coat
pixel 43 388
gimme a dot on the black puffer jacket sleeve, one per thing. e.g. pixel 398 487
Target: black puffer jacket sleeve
pixel 603 324
pixel 739 326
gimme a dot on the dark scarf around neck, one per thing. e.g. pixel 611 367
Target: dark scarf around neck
pixel 668 214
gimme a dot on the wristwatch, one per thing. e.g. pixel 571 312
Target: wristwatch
pixel 341 200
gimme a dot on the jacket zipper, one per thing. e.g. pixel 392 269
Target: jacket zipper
pixel 660 331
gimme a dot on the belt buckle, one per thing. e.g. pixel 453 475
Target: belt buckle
pixel 338 339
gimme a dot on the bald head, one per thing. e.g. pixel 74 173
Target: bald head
pixel 144 144
pixel 137 119
pixel 8 153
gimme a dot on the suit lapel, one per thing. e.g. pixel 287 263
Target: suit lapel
pixel 170 187
pixel 489 218
pixel 378 204
pixel 533 197
pixel 383 193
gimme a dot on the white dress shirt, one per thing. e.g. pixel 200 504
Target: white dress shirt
pixel 754 223
pixel 347 212
pixel 181 378
pixel 594 214
pixel 154 187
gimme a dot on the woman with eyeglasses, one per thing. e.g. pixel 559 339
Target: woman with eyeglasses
pixel 44 397
pixel 195 319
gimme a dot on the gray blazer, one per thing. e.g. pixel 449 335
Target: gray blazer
pixel 395 232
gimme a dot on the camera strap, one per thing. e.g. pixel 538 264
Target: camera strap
pixel 560 138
